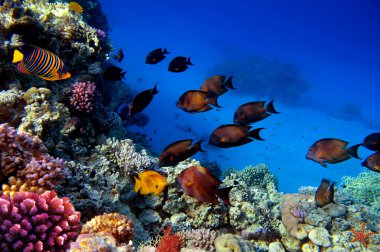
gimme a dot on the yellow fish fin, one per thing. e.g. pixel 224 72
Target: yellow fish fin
pixel 17 56
pixel 137 184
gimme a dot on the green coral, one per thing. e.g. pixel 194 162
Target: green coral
pixel 364 188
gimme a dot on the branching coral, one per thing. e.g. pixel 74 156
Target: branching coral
pixel 83 96
pixel 116 224
pixel 201 238
pixel 126 155
pixel 17 149
pixel 169 242
pixel 32 222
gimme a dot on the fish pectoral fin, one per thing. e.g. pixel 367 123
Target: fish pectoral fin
pixel 223 140
pixel 17 56
pixel 323 164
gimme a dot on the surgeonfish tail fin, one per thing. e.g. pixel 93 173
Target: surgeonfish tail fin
pixel 353 151
pixel 255 134
pixel 17 56
pixel 165 51
pixel 270 108
pixel 223 194
pixel 213 100
pixel 122 74
pixel 154 89
pixel 197 146
pixel 228 83
pixel 137 184
pixel 188 62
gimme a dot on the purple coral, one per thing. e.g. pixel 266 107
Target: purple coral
pixel 83 96
pixel 299 212
pixel 17 149
pixel 32 222
pixel 102 35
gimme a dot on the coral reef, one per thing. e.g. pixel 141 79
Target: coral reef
pixel 101 241
pixel 169 242
pixel 17 149
pixel 118 225
pixel 11 106
pixel 83 96
pixel 32 222
pixel 201 239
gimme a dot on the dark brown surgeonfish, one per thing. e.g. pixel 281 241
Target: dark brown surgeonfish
pixel 373 162
pixel 217 85
pixel 195 101
pixel 156 56
pixel 372 142
pixel 332 151
pixel 199 183
pixel 232 135
pixel 325 193
pixel 179 64
pixel 179 151
pixel 114 73
pixel 142 100
pixel 119 56
pixel 253 112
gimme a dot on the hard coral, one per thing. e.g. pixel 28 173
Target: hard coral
pixel 100 242
pixel 201 238
pixel 32 222
pixel 83 96
pixel 116 224
pixel 44 172
pixel 169 242
pixel 17 149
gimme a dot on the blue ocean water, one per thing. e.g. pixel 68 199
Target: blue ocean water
pixel 334 46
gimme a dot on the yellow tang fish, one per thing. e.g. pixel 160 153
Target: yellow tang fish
pixel 76 7
pixel 150 182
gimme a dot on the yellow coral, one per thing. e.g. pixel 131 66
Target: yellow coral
pixel 17 185
pixel 117 224
pixel 227 243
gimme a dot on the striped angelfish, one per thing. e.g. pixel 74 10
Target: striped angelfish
pixel 40 62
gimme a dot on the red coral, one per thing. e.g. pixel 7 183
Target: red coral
pixel 169 242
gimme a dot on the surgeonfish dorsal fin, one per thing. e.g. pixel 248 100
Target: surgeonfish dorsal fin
pixel 17 56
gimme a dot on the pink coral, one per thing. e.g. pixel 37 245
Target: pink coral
pixel 44 172
pixel 32 222
pixel 83 96
pixel 17 149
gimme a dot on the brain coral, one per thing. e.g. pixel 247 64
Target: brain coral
pixel 32 222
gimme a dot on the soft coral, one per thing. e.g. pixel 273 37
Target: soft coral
pixel 169 242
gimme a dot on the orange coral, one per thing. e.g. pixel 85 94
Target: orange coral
pixel 18 185
pixel 169 242
pixel 361 235
pixel 117 224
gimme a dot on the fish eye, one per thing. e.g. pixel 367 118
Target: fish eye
pixel 156 186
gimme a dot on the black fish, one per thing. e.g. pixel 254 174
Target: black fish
pixel 142 100
pixel 119 56
pixel 179 64
pixel 114 73
pixel 156 56
pixel 372 142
